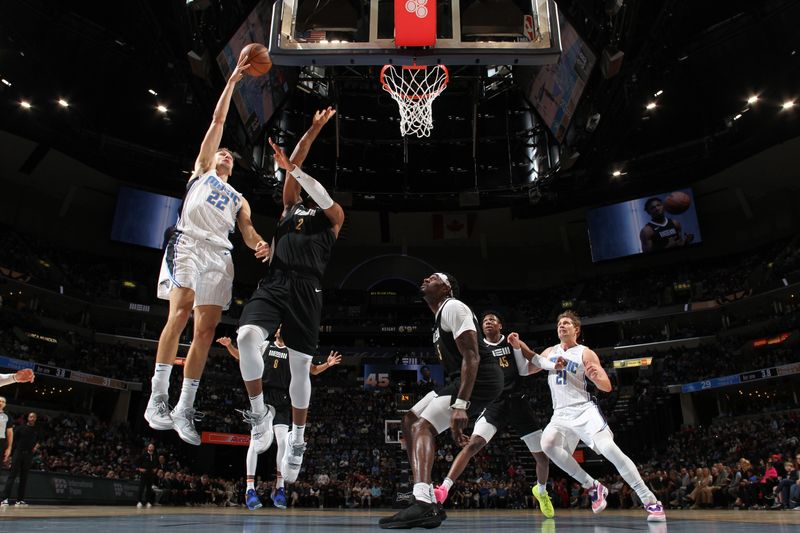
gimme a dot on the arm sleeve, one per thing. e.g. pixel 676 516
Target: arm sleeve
pixel 314 188
pixel 522 363
pixel 6 379
pixel 457 318
pixel 543 362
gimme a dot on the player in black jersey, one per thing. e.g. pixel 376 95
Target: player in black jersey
pixel 661 232
pixel 475 381
pixel 277 377
pixel 290 294
pixel 512 408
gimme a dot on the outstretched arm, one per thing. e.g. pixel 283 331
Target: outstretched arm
pixel 251 237
pixel 210 143
pixel 333 359
pixel 20 376
pixel 315 190
pixel 233 350
pixel 291 188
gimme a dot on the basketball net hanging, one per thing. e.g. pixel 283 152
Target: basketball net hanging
pixel 414 89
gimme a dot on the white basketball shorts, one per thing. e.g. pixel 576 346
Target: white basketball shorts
pixel 192 264
pixel 580 421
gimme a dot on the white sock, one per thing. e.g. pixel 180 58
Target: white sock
pixel 257 404
pixel 251 484
pixel 423 492
pixel 542 488
pixel 188 392
pixel 160 381
pixel 447 483
pixel 298 433
pixel 279 482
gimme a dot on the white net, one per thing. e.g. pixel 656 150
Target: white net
pixel 414 89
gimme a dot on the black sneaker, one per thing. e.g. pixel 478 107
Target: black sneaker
pixel 440 509
pixel 420 514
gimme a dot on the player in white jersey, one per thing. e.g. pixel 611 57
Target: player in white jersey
pixel 197 271
pixel 20 376
pixel 576 416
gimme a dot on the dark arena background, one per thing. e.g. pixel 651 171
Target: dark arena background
pixel 634 162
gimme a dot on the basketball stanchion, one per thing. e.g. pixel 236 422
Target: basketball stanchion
pixel 414 88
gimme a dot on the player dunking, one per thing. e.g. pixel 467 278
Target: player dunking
pixel 661 232
pixel 576 416
pixel 512 408
pixel 276 382
pixel 197 271
pixel 475 382
pixel 290 295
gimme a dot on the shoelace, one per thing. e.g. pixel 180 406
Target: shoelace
pixel 250 417
pixel 193 415
pixel 162 407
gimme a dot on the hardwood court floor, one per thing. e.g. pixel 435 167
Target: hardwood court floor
pixel 218 520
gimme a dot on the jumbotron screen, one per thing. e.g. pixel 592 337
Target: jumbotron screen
pixel 664 221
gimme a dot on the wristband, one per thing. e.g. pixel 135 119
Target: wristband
pixel 460 404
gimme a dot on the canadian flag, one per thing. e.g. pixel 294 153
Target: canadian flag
pixel 452 226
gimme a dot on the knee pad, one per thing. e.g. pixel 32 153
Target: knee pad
pixel 300 386
pixel 251 340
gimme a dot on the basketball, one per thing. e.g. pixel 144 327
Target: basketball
pixel 677 203
pixel 258 57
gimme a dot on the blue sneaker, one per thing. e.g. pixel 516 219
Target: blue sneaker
pixel 279 499
pixel 252 500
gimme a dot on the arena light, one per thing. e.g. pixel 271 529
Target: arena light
pixel 129 284
pixel 650 106
pixel 753 99
pixel 6 82
pixel 737 116
pixel 25 104
pixel 162 109
pixel 63 103
pixel 658 93
pixel 617 173
pixel 151 91
pixel 788 104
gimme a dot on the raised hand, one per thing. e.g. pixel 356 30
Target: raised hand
pixel 322 116
pixel 334 358
pixel 513 340
pixel 280 157
pixel 238 71
pixel 225 341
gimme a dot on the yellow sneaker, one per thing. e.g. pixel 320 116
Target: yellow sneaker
pixel 544 502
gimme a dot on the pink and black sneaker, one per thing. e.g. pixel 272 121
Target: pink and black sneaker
pixel 655 512
pixel 440 493
pixel 598 495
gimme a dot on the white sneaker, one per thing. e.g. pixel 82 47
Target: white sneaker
pixel 261 433
pixel 157 412
pixel 20 503
pixel 183 423
pixel 149 505
pixel 139 505
pixel 4 502
pixel 292 459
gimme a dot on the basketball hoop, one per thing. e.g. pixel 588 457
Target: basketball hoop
pixel 414 89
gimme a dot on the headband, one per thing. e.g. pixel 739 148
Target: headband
pixel 444 279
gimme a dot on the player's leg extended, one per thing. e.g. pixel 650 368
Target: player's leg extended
pixel 424 512
pixel 557 448
pixel 206 318
pixel 279 499
pixel 605 445
pixel 251 339
pixel 481 435
pixel 251 462
pixel 181 301
pixel 534 443
pixel 300 394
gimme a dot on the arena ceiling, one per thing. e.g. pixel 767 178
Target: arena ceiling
pixel 703 59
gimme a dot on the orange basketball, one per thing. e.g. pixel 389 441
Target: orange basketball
pixel 258 57
pixel 677 202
